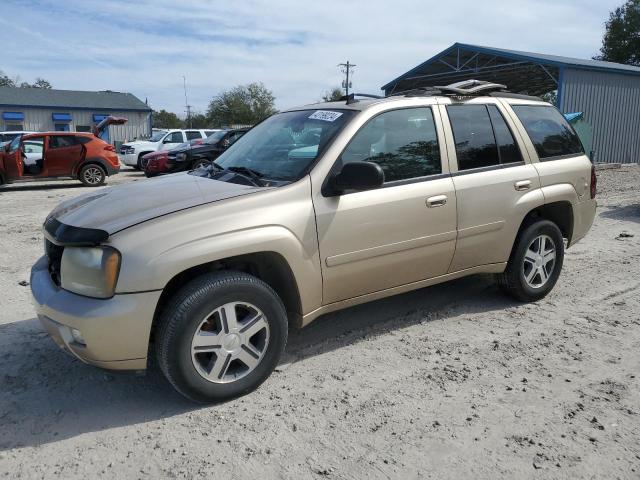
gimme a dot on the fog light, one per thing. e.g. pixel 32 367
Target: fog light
pixel 77 336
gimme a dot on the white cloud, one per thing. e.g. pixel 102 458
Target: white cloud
pixel 293 47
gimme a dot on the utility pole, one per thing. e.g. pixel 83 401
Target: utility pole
pixel 346 69
pixel 186 102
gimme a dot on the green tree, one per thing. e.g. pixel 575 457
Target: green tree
pixel 199 120
pixel 6 81
pixel 333 95
pixel 164 119
pixel 621 41
pixel 41 83
pixel 242 105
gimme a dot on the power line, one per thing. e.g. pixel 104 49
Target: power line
pixel 186 102
pixel 346 69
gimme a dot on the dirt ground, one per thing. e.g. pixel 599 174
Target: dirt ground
pixel 452 381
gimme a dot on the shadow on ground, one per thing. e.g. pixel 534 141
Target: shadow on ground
pixel 26 187
pixel 46 395
pixel 630 213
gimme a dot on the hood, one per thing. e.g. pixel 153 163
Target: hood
pixel 154 155
pixel 141 143
pixel 115 208
pixel 180 149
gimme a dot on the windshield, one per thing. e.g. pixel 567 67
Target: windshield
pixel 286 144
pixel 216 137
pixel 156 137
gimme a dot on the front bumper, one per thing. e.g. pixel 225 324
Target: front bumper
pixel 115 330
pixel 130 159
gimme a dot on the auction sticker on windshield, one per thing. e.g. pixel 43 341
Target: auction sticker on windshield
pixel 326 115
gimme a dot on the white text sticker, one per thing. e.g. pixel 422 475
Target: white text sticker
pixel 325 115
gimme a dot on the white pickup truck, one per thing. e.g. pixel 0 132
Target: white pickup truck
pixel 131 153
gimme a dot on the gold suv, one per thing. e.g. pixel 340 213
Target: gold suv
pixel 315 209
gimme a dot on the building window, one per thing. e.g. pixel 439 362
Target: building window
pixel 14 127
pixel 83 128
pixel 62 127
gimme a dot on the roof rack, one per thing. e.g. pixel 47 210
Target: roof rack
pixel 465 88
pixel 351 97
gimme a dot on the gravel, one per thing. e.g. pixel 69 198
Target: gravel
pixel 452 381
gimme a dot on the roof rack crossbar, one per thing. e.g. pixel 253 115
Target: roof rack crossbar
pixel 463 88
pixel 351 97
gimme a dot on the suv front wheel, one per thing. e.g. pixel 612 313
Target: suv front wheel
pixel 535 263
pixel 221 336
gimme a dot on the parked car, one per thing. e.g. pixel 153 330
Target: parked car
pixel 191 156
pixel 155 163
pixel 6 137
pixel 82 156
pixel 131 153
pixel 315 209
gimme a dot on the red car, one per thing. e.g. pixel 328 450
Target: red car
pixel 157 163
pixel 83 156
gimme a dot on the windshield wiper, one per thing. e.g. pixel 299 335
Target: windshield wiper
pixel 253 175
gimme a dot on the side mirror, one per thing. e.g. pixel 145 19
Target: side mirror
pixel 357 176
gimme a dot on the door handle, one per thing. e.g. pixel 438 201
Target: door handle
pixel 437 201
pixel 522 185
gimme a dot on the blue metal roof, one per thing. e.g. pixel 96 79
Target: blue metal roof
pixel 537 58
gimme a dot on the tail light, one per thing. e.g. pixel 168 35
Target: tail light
pixel 111 148
pixel 594 182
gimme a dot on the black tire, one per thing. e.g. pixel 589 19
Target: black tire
pixel 183 316
pixel 201 162
pixel 513 281
pixel 92 175
pixel 139 163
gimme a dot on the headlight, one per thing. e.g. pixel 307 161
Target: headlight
pixel 90 271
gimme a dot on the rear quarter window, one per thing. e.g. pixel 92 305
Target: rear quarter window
pixel 550 133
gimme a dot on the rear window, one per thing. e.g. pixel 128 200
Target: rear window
pixel 551 134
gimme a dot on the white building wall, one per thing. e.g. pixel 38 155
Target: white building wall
pixel 41 120
pixel 611 105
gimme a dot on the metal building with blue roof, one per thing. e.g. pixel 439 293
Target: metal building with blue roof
pixel 608 94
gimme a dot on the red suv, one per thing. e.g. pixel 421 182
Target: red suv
pixel 83 156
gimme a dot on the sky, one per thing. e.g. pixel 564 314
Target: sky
pixel 293 47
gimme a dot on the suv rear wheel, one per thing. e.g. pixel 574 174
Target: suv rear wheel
pixel 221 336
pixel 92 175
pixel 535 263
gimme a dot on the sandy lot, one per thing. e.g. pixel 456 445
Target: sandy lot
pixel 452 381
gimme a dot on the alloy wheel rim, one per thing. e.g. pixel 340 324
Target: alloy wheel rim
pixel 92 175
pixel 230 342
pixel 539 261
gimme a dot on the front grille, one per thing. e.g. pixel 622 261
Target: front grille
pixel 54 254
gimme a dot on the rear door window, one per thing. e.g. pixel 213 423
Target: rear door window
pixel 550 133
pixel 507 148
pixel 193 135
pixel 475 142
pixel 61 141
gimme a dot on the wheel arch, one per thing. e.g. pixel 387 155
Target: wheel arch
pixel 559 212
pixel 271 267
pixel 92 161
